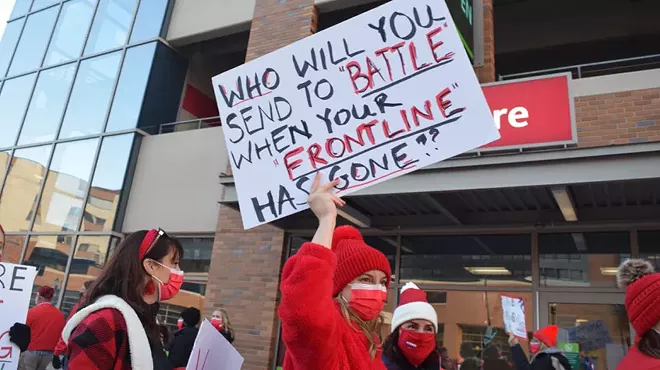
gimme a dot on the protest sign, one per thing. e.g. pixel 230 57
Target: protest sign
pixel 591 336
pixel 212 351
pixel 378 96
pixel 15 292
pixel 513 311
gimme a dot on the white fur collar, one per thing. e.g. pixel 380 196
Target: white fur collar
pixel 138 343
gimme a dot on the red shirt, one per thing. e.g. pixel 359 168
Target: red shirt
pixel 60 349
pixel 636 360
pixel 46 323
pixel 315 333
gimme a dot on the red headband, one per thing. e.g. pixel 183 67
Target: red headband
pixel 148 241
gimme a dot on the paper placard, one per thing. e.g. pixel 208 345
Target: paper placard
pixel 513 311
pixel 15 292
pixel 212 351
pixel 376 97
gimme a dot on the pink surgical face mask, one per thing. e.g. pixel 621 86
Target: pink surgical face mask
pixel 367 300
pixel 171 288
pixel 534 347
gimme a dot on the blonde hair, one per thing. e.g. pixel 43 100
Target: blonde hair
pixel 368 328
pixel 225 321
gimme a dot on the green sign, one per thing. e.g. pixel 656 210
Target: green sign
pixel 572 354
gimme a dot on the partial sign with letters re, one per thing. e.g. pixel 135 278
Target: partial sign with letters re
pixel 15 292
pixel 378 96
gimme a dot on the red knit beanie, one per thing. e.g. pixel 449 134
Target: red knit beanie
pixel 354 258
pixel 46 292
pixel 642 286
pixel 547 335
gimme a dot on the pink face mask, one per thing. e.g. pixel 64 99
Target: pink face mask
pixel 179 324
pixel 534 347
pixel 217 323
pixel 367 300
pixel 171 288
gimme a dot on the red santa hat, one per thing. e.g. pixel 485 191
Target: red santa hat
pixel 413 306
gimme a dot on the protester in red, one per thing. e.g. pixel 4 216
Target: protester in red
pixel 220 321
pixel 60 349
pixel 642 301
pixel 412 344
pixel 46 323
pixel 116 327
pixel 543 346
pixel 333 291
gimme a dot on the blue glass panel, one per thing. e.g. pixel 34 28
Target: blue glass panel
pixel 66 185
pixel 40 4
pixel 111 23
pixel 13 103
pixel 33 43
pixel 91 94
pixel 149 20
pixel 132 85
pixel 47 104
pixel 70 31
pixel 20 8
pixel 8 44
pixel 108 182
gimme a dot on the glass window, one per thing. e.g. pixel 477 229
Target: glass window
pixel 8 43
pixel 66 185
pixel 582 259
pixel 149 20
pixel 49 254
pixel 131 88
pixel 475 260
pixel 86 265
pixel 111 23
pixel 91 94
pixel 107 183
pixel 196 256
pixel 13 248
pixel 649 246
pixel 40 4
pixel 4 161
pixel 47 104
pixel 26 174
pixel 34 40
pixel 70 31
pixel 13 102
pixel 20 8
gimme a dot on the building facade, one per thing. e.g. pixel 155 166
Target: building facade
pixel 109 126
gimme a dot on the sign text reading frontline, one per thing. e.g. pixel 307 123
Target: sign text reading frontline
pixel 380 95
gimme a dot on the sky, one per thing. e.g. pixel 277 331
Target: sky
pixel 5 9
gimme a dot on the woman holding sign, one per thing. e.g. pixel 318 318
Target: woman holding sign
pixel 641 282
pixel 116 327
pixel 412 344
pixel 543 346
pixel 333 291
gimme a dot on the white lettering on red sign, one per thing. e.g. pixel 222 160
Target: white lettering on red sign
pixel 517 117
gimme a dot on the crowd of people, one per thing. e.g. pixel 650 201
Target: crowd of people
pixel 333 293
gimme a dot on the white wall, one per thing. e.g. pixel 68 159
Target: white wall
pixel 176 185
pixel 197 20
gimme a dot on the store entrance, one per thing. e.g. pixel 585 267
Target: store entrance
pixel 595 332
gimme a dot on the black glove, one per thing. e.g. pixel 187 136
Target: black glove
pixel 57 362
pixel 20 335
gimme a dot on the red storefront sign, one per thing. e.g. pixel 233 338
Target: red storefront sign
pixel 532 112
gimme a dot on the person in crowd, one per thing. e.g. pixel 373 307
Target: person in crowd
pixel 471 363
pixel 333 292
pixel 46 323
pixel 543 346
pixel 493 359
pixel 411 344
pixel 184 339
pixel 467 352
pixel 59 360
pixel 117 318
pixel 642 283
pixel 19 333
pixel 447 362
pixel 220 321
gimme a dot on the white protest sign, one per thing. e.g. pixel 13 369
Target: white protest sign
pixel 15 292
pixel 378 96
pixel 513 310
pixel 212 351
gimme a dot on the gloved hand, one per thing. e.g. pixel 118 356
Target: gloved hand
pixel 20 335
pixel 57 362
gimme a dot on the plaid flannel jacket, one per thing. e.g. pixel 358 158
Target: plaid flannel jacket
pixel 100 342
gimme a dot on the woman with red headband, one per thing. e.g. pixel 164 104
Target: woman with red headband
pixel 116 327
pixel 333 291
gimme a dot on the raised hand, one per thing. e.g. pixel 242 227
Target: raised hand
pixel 322 201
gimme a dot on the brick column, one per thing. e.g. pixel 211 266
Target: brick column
pixel 245 266
pixel 486 73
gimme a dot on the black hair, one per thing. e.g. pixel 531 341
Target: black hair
pixel 650 344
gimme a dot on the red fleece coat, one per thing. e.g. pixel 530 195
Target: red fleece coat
pixel 315 333
pixel 636 360
pixel 60 348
